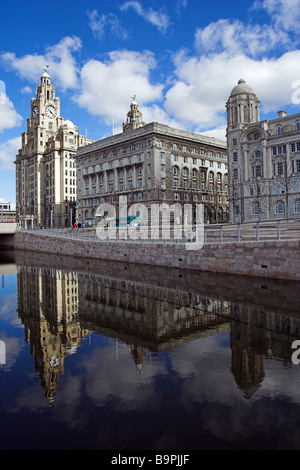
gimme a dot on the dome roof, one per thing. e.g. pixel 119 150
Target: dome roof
pixel 68 124
pixel 241 87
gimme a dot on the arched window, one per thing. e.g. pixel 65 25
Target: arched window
pixel 175 170
pixel 280 208
pixel 279 129
pixel 211 175
pixel 194 172
pixel 255 208
pixel 297 126
pixel 297 206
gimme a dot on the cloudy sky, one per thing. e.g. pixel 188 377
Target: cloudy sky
pixel 181 58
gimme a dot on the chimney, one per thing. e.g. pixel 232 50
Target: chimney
pixel 281 114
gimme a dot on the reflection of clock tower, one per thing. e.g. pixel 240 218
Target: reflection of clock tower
pixel 46 186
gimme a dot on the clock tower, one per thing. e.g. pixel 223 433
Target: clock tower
pixel 45 108
pixel 46 187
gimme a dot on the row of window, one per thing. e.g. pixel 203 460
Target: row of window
pixel 177 197
pixel 279 128
pixel 280 207
pixel 281 149
pixel 279 169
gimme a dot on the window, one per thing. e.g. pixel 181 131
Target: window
pixel 235 157
pixel 280 168
pixel 174 146
pixel 257 154
pixel 235 173
pixel 297 205
pixel 255 208
pixel 175 170
pixel 279 129
pixel 234 141
pixel 257 171
pixel 162 168
pixel 297 127
pixel 176 196
pixel 280 208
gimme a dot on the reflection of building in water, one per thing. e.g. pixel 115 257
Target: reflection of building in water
pixel 47 305
pixel 153 312
pixel 256 334
pixel 158 315
pixel 247 362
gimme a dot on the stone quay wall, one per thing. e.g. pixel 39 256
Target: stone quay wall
pixel 270 259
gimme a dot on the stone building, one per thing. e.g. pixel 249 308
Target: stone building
pixel 46 183
pixel 153 163
pixel 264 160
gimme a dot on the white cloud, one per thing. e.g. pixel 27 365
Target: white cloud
pixel 285 14
pixel 155 113
pixel 8 115
pixel 62 68
pixel 157 18
pixel 8 152
pixel 110 21
pixel 235 37
pixel 203 85
pixel 26 89
pixel 107 87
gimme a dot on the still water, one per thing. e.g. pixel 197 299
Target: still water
pixel 119 357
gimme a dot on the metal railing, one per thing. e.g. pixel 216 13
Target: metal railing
pixel 221 233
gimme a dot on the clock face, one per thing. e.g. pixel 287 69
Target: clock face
pixel 35 112
pixel 51 112
pixel 54 361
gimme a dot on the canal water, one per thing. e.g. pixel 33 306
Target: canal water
pixel 120 357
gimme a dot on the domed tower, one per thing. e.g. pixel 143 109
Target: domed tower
pixel 242 106
pixel 134 117
pixel 242 111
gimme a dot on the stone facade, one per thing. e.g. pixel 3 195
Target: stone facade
pixel 153 163
pixel 264 160
pixel 46 182
pixel 270 259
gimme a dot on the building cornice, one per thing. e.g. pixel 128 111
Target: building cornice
pixel 161 130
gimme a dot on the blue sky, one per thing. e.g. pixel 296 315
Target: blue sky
pixel 181 58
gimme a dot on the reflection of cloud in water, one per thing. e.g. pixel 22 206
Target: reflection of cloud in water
pixel 13 346
pixel 8 309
